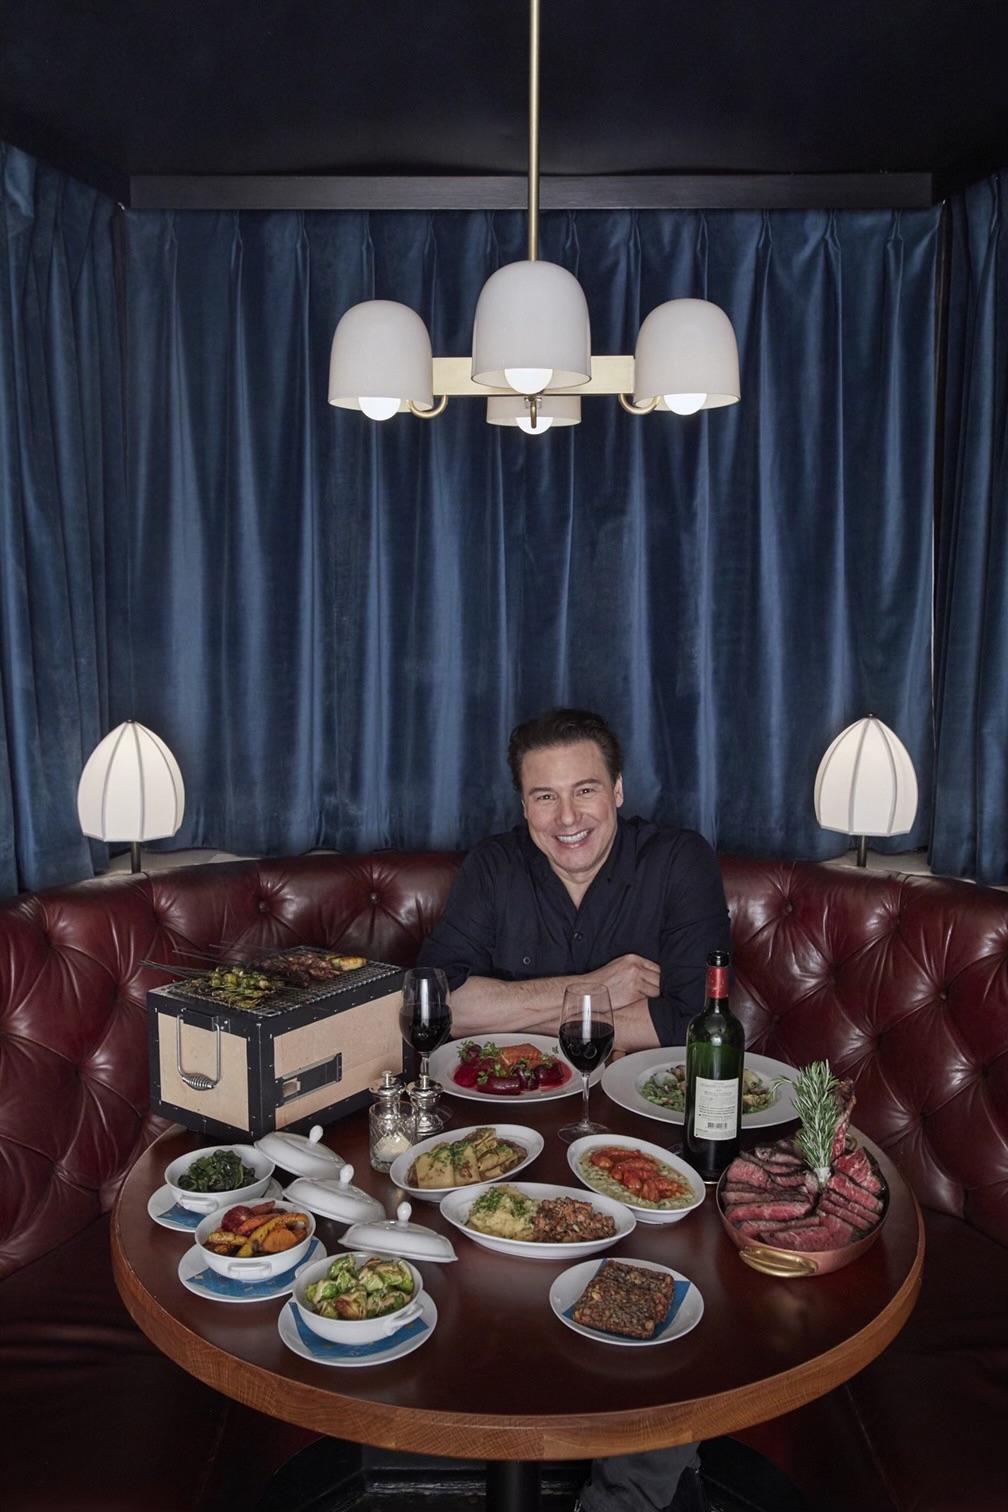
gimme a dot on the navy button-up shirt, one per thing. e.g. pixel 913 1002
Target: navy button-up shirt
pixel 659 895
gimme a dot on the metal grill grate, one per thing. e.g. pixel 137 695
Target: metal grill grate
pixel 285 998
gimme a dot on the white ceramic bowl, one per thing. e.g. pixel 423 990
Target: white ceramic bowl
pixel 457 1204
pixel 530 1139
pixel 354 1331
pixel 577 1152
pixel 209 1202
pixel 253 1267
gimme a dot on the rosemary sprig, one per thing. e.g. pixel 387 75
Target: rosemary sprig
pixel 816 1106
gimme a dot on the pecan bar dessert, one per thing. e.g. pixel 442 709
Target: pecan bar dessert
pixel 625 1299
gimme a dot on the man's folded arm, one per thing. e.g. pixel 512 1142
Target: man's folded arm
pixel 483 1006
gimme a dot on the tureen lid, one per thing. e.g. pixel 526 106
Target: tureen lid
pixel 336 1197
pixel 397 1236
pixel 301 1154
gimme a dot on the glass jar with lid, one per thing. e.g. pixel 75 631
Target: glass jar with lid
pixel 389 1127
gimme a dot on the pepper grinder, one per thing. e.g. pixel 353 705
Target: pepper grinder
pixel 424 1095
pixel 388 1126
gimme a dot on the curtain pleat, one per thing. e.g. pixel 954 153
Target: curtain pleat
pixel 969 835
pixel 61 464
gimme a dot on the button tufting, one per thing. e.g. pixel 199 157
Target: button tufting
pixel 374 897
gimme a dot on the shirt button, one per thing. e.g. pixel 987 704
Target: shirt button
pixel 578 935
pixel 526 960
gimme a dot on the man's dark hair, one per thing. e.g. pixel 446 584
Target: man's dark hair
pixel 563 727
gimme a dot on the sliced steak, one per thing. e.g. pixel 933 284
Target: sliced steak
pixel 857 1219
pixel 859 1167
pixel 842 1185
pixel 785 1208
pixel 810 1239
pixel 843 1096
pixel 746 1172
pixel 731 1195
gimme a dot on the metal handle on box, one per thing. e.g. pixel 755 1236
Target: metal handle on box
pixel 196 1080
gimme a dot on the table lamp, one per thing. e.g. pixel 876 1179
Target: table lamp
pixel 131 789
pixel 866 784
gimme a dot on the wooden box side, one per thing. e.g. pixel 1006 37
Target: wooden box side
pixel 354 1046
pixel 177 1041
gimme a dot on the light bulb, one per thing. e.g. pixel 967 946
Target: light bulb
pixel 685 404
pixel 528 380
pixel 543 423
pixel 378 409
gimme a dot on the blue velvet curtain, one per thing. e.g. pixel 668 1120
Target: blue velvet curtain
pixel 970 827
pixel 335 624
pixel 61 465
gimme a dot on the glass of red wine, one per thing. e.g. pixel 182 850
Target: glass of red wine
pixel 586 1038
pixel 425 1016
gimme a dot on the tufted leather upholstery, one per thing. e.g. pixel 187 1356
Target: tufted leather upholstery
pixel 901 981
pixel 73 1018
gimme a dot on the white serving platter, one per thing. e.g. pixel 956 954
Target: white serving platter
pixel 569 1285
pixel 456 1205
pixel 516 1133
pixel 623 1078
pixel 581 1148
pixel 444 1060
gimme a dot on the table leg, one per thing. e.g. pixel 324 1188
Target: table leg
pixel 512 1486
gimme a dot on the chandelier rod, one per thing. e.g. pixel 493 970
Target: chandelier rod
pixel 533 151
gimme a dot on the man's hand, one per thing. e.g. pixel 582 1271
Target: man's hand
pixel 629 978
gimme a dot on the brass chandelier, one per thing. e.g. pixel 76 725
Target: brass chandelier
pixel 531 351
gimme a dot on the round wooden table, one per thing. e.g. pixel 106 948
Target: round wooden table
pixel 501 1378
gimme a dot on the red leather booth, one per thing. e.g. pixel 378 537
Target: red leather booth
pixel 901 981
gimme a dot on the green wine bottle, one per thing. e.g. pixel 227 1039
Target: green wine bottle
pixel 715 1056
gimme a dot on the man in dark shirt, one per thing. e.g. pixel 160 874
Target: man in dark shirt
pixel 578 893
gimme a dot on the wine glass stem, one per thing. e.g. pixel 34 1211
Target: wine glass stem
pixel 584 1094
pixel 424 1062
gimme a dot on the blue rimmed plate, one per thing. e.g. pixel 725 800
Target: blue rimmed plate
pixel 298 1337
pixel 196 1276
pixel 684 1313
pixel 163 1208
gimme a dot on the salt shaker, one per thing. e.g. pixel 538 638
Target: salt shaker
pixel 388 1131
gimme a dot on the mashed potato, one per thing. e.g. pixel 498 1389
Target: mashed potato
pixel 504 1212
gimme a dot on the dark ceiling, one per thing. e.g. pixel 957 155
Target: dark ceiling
pixel 678 102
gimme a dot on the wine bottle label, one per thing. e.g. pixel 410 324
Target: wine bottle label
pixel 715 1110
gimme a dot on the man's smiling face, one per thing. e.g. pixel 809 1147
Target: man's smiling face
pixel 570 803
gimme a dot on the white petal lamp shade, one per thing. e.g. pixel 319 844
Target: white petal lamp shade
pixel 551 410
pixel 866 783
pixel 531 329
pixel 131 787
pixel 687 357
pixel 380 360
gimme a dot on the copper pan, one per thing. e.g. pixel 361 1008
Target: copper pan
pixel 794 1264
